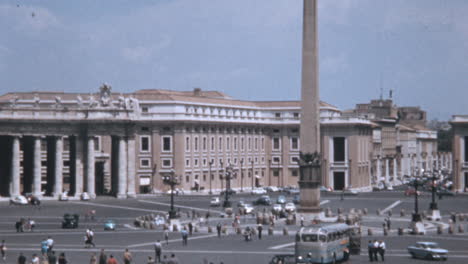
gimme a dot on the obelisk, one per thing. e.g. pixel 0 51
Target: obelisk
pixel 310 180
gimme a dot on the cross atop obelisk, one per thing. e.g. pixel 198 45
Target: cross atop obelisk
pixel 310 179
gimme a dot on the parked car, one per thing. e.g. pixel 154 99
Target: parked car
pixel 230 192
pixel 350 192
pixel 290 207
pixel 258 191
pixel 85 196
pixel 297 199
pixel 19 200
pixel 284 259
pixel 325 189
pixel 248 208
pixel 272 189
pixel 411 191
pixel 428 250
pixel 70 221
pixel 109 225
pixel 63 196
pixel 215 201
pixel 276 208
pixel 379 187
pixel 264 200
pixel 444 192
pixel 281 199
pixel 33 199
pixel 292 191
pixel 241 204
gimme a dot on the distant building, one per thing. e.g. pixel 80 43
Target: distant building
pixel 460 152
pixel 124 144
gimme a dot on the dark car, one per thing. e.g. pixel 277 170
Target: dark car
pixel 444 192
pixel 285 259
pixel 264 200
pixel 70 221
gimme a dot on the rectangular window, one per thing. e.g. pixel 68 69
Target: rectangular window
pixel 294 173
pixel 277 115
pixel 263 143
pixel 235 161
pixel 187 162
pixel 242 144
pixel 195 146
pixel 294 160
pixel 144 163
pixel 294 143
pixel 235 144
pixel 144 144
pixel 144 109
pixel 166 144
pixel 220 143
pixel 187 143
pixel 276 160
pixel 249 144
pixel 166 163
pixel 204 144
pixel 212 147
pixel 195 162
pixel 228 144
pixel 296 115
pixel 275 173
pixel 339 149
pixel 466 149
pixel 97 144
pixel 256 144
pixel 204 162
pixel 276 143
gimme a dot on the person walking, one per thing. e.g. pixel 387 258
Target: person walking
pixel 51 257
pixel 370 248
pixel 21 258
pixel 102 257
pixel 127 257
pixel 190 228
pixel 62 259
pixel 35 259
pixel 112 260
pixel 375 250
pixel 3 250
pixel 50 244
pixel 260 229
pixel 93 259
pixel 381 249
pixel 184 237
pixel 157 251
pixel 166 236
pixel 218 229
pixel 44 247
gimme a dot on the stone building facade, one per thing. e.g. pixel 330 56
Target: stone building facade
pixel 123 144
pixel 460 152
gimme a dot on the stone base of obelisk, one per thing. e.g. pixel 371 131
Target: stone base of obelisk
pixel 310 216
pixel 434 215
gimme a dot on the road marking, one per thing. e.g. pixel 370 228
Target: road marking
pixel 121 207
pixel 390 206
pixel 282 246
pixel 131 227
pixel 173 240
pixel 182 206
pixel 324 202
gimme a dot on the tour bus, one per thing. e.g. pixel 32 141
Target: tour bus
pixel 324 243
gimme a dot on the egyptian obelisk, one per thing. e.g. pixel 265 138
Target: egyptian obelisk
pixel 310 180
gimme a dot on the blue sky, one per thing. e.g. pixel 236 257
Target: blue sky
pixel 249 49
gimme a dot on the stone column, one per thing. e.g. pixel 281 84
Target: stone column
pixel 58 187
pixel 395 172
pixel 437 161
pixel 387 171
pixel 78 166
pixel 131 167
pixel 90 167
pixel 15 168
pixel 379 170
pixel 37 167
pixel 122 186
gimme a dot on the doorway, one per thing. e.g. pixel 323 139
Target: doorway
pixel 99 179
pixel 338 180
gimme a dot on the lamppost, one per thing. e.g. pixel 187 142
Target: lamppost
pixel 171 180
pixel 242 175
pixel 433 207
pixel 269 172
pixel 211 176
pixel 416 221
pixel 221 174
pixel 252 162
pixel 229 174
pixel 279 174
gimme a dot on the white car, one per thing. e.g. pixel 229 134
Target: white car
pixel 215 201
pixel 258 191
pixel 19 199
pixel 177 191
pixel 276 208
pixel 272 189
pixel 290 207
pixel 248 208
pixel 63 196
pixel 85 196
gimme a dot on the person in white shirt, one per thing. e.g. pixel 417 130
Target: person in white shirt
pixel 50 244
pixel 381 250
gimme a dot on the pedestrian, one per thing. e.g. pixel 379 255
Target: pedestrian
pixel 44 246
pixel 375 250
pixel 260 229
pixel 31 224
pixel 164 260
pixel 127 257
pixel 157 251
pixel 370 248
pixel 218 229
pixel 381 250
pixel 150 260
pixel 3 250
pixel 51 257
pixel 112 260
pixel 302 221
pixel 184 237
pixel 389 223
pixel 173 259
pixel 21 258
pixel 91 237
pixel 93 259
pixel 50 244
pixel 190 228
pixel 62 259
pixel 35 259
pixel 18 226
pixel 102 257
pixel 166 236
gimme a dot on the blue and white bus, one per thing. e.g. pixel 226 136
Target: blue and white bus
pixel 324 243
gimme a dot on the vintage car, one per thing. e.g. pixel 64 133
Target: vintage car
pixel 85 196
pixel 284 259
pixel 281 199
pixel 258 191
pixel 264 200
pixel 428 250
pixel 248 208
pixel 19 200
pixel 215 201
pixel 70 221
pixel 109 225
pixel 276 208
pixel 290 207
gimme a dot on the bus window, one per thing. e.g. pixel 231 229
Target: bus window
pixel 309 238
pixel 323 238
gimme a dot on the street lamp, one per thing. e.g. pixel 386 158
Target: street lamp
pixel 171 180
pixel 433 207
pixel 242 175
pixel 211 176
pixel 221 174
pixel 252 162
pixel 229 174
pixel 269 172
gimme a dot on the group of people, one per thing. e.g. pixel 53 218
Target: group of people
pixel 24 224
pixel 375 248
pixel 49 258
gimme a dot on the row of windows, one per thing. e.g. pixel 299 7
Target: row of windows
pixel 166 144
pixel 276 143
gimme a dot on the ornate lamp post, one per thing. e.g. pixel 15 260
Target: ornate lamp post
pixel 269 172
pixel 433 207
pixel 229 174
pixel 416 221
pixel 252 174
pixel 242 175
pixel 221 173
pixel 211 176
pixel 172 181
